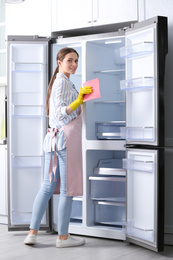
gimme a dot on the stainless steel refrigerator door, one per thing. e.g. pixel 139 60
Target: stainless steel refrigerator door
pixel 27 86
pixel 144 52
pixel 145 198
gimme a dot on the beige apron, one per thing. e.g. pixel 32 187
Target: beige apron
pixel 73 135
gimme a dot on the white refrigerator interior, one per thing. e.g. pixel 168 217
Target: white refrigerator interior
pixel 27 121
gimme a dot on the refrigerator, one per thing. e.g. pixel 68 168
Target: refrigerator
pixel 122 132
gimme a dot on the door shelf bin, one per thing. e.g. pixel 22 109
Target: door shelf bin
pixel 37 161
pixel 137 83
pixel 110 167
pixel 140 133
pixel 145 166
pixel 27 67
pixel 146 234
pixel 26 111
pixel 108 188
pixel 110 130
pixel 137 50
pixel 113 214
pixel 76 213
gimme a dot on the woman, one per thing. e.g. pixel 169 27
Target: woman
pixel 64 138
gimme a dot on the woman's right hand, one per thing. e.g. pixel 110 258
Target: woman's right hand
pixel 79 100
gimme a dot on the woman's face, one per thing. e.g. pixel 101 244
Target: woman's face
pixel 69 64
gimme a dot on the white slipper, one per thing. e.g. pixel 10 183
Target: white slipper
pixel 69 242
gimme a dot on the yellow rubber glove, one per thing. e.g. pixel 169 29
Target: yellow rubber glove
pixel 79 100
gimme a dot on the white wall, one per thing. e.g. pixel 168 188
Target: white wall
pixel 32 17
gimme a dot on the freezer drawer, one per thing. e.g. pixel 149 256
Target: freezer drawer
pixel 76 213
pixel 112 214
pixel 110 167
pixel 110 130
pixel 108 188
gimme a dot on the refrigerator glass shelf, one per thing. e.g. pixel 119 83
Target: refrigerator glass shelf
pixel 109 171
pixel 113 72
pixel 110 130
pixel 120 102
pixel 136 50
pixel 143 166
pixel 27 67
pixel 140 133
pixel 137 83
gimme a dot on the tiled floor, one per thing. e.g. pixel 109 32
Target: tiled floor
pixel 12 247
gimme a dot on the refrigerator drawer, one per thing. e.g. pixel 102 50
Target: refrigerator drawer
pixel 108 188
pixel 110 167
pixel 113 214
pixel 76 213
pixel 110 130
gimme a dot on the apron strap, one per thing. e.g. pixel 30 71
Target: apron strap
pixel 53 132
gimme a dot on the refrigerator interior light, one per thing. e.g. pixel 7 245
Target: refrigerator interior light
pixel 14 1
pixel 112 42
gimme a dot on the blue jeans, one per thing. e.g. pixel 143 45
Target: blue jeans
pixel 46 191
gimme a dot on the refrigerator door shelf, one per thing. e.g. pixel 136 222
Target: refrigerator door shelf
pixel 108 188
pixel 28 67
pixel 140 133
pixel 145 166
pixel 25 161
pixel 142 83
pixel 110 130
pixel 28 111
pixel 144 234
pixel 136 50
pixel 110 213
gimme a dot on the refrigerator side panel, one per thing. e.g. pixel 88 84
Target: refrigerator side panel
pixel 27 84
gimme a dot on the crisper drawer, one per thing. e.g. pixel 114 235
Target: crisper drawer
pixel 108 188
pixel 76 213
pixel 108 213
pixel 110 130
pixel 110 167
